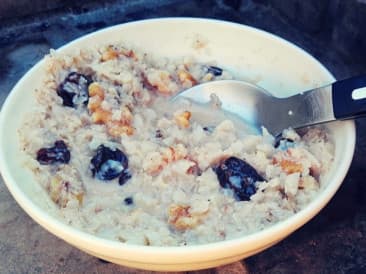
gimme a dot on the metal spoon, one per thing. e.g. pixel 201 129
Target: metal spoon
pixel 343 99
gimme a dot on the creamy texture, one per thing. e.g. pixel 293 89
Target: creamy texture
pixel 173 196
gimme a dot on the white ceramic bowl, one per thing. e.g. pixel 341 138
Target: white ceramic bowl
pixel 260 57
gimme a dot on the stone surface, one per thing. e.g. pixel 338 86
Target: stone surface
pixel 332 30
pixel 348 35
pixel 309 16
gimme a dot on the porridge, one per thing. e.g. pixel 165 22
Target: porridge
pixel 123 162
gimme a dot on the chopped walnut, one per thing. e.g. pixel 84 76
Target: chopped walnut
pixel 129 53
pixel 62 191
pixel 161 81
pixel 290 166
pixel 101 116
pixel 95 89
pixel 126 115
pixel 109 54
pixel 182 119
pixel 297 160
pixel 113 53
pixel 158 160
pixel 115 127
pixel 171 154
pixel 181 217
pixel 185 77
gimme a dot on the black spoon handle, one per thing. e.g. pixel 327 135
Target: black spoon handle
pixel 349 97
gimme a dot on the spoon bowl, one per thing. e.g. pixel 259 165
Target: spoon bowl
pixel 257 107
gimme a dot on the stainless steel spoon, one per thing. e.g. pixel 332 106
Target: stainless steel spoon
pixel 343 99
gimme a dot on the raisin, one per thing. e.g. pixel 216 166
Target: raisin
pixel 283 143
pixel 128 201
pixel 146 84
pixel 125 176
pixel 214 70
pixel 236 174
pixel 58 153
pixel 209 129
pixel 158 133
pixel 74 90
pixel 108 164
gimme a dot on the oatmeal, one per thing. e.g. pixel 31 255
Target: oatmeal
pixel 123 162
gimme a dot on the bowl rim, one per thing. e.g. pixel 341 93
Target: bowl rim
pixel 150 253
